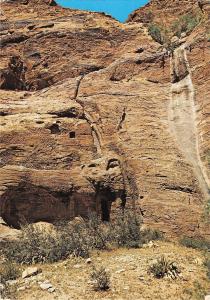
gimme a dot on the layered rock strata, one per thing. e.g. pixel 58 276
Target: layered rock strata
pixel 85 119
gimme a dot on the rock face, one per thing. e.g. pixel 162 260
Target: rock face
pixel 166 10
pixel 86 118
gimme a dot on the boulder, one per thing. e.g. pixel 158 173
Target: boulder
pixel 46 287
pixel 30 271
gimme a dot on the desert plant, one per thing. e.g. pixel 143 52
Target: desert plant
pixel 185 23
pixel 100 278
pixel 156 33
pixel 38 246
pixel 195 243
pixel 125 230
pixel 88 234
pixel 8 291
pixel 8 271
pixel 164 267
pixel 149 16
pixel 162 35
pixel 97 231
pixel 33 246
pixel 75 239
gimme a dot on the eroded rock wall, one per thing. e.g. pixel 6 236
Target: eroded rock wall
pixel 164 11
pixel 92 123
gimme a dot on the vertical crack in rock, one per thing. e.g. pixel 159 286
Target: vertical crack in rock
pixel 97 140
pixel 122 119
pixel 78 86
pixel 130 187
pixel 182 116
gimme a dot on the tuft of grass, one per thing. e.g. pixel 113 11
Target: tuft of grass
pixel 164 267
pixel 100 278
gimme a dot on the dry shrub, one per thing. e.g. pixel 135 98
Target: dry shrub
pixel 126 230
pixel 38 245
pixel 195 243
pixel 8 271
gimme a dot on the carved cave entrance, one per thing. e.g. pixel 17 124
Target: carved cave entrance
pixel 106 198
pixel 105 210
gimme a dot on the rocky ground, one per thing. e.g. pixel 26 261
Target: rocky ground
pixel 71 280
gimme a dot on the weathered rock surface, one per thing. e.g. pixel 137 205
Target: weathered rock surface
pixel 84 118
pixel 167 11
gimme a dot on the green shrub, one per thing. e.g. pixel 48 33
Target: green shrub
pixel 99 233
pixel 195 243
pixel 156 33
pixel 74 240
pixel 36 245
pixel 185 23
pixel 163 268
pixel 33 246
pixel 125 230
pixel 100 278
pixel 149 16
pixel 8 271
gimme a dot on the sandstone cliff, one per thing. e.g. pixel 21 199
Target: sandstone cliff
pixel 96 115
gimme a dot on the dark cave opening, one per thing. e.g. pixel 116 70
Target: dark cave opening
pixel 54 129
pixel 72 134
pixel 105 210
pixel 107 197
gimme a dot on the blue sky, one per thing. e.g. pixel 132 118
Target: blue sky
pixel 119 9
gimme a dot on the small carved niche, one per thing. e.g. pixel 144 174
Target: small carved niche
pixel 72 134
